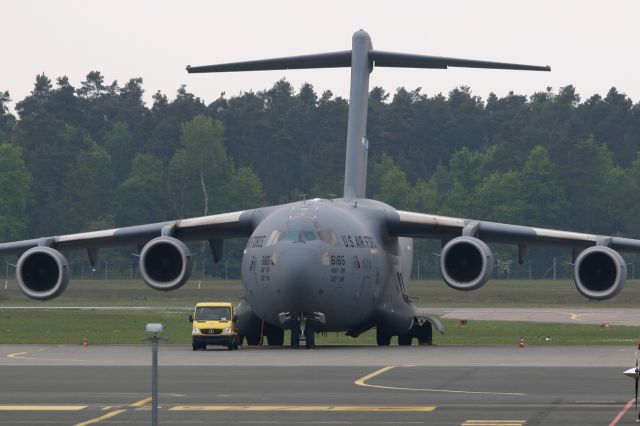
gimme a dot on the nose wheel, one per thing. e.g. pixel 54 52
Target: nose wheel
pixel 295 335
pixel 302 329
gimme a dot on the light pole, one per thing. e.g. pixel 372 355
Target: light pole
pixel 154 329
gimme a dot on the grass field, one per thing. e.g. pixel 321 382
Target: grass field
pixel 126 327
pixel 117 327
pixel 432 293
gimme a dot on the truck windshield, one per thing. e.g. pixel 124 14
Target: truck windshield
pixel 213 313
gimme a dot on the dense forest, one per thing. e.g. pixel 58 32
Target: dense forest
pixel 96 156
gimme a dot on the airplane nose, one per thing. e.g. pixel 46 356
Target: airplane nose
pixel 299 273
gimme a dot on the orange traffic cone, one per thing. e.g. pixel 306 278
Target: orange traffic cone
pixel 521 343
pixel 85 342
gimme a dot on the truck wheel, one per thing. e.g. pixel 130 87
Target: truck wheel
pixel 230 346
pixel 195 347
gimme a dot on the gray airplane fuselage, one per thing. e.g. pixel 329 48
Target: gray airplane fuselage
pixel 328 256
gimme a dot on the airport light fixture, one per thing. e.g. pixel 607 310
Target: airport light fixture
pixel 154 328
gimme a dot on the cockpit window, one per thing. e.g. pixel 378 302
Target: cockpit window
pixel 291 236
pixel 328 237
pixel 275 236
pixel 308 236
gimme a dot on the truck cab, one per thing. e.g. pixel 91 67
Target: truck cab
pixel 214 323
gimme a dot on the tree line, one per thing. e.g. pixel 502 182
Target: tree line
pixel 96 156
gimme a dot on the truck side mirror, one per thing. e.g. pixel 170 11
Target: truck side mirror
pixel 190 318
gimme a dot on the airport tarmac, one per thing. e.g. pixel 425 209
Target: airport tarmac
pixel 443 385
pixel 567 315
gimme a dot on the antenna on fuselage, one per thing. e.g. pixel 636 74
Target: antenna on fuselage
pixel 362 59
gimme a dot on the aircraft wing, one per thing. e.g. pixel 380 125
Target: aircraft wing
pixel 420 225
pixel 213 227
pixel 466 262
pixel 42 271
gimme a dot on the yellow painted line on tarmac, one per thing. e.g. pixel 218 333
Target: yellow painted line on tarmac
pixel 141 402
pixel 42 407
pixel 368 408
pixel 362 382
pixel 20 355
pixel 101 418
pixel 114 413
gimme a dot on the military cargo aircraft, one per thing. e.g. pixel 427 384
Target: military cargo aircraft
pixel 329 264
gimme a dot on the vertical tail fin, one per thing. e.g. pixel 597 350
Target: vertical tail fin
pixel 361 59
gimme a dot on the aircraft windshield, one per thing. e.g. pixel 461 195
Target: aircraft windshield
pixel 300 236
pixel 328 237
pixel 213 313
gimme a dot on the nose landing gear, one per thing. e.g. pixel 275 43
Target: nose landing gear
pixel 302 327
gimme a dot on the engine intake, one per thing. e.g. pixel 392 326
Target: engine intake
pixel 42 273
pixel 599 272
pixel 466 263
pixel 165 263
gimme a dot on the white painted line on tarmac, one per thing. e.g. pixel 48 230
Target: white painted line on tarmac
pixel 362 382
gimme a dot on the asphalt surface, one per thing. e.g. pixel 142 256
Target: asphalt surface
pixel 477 386
pixel 567 315
pixel 611 316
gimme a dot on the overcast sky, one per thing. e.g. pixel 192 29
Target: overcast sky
pixel 590 44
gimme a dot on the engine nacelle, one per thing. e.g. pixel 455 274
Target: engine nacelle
pixel 165 263
pixel 599 272
pixel 466 263
pixel 42 273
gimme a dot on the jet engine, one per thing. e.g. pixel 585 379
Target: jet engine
pixel 466 263
pixel 599 272
pixel 165 263
pixel 42 273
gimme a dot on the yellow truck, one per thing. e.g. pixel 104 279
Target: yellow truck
pixel 213 324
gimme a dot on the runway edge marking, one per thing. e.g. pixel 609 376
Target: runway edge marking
pixel 362 382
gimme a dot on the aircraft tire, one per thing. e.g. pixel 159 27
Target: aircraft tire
pixel 424 334
pixel 275 335
pixel 295 336
pixel 310 338
pixel 253 340
pixel 382 339
pixel 405 339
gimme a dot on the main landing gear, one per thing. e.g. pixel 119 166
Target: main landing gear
pixel 423 333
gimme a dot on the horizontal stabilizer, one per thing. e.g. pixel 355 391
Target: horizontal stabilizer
pixel 376 58
pixel 320 60
pixel 405 60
